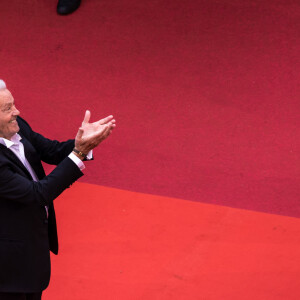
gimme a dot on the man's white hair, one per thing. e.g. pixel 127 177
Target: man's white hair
pixel 2 85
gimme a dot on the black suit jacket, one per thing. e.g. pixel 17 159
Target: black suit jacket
pixel 26 234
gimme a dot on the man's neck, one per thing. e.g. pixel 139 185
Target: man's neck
pixel 8 142
pixel 9 138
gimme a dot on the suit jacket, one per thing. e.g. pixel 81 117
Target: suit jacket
pixel 26 234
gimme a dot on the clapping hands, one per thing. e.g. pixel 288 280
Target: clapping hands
pixel 90 135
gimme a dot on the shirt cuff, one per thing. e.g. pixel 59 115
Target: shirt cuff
pixel 77 161
pixel 89 155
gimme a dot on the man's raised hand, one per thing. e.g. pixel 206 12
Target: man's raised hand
pixel 90 135
pixel 92 128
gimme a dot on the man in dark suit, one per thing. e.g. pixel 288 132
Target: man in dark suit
pixel 27 217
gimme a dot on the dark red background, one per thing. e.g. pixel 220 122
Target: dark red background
pixel 205 93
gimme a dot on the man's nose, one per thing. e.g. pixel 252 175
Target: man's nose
pixel 16 112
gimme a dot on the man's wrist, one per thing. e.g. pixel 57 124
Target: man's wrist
pixel 81 157
pixel 79 154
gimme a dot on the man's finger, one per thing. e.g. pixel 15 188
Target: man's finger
pixel 101 136
pixel 105 120
pixel 113 125
pixel 87 116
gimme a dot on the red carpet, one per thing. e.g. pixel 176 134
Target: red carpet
pixel 125 245
pixel 206 93
pixel 206 97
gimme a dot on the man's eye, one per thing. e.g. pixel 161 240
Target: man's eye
pixel 7 109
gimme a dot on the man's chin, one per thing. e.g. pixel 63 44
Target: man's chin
pixel 15 130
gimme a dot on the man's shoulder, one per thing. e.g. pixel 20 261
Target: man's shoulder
pixel 22 122
pixel 24 126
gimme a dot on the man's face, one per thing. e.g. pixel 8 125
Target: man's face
pixel 8 115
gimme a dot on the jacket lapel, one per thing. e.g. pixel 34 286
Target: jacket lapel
pixel 32 157
pixel 14 159
pixel 28 149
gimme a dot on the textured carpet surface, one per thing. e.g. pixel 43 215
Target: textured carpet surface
pixel 206 93
pixel 125 245
pixel 206 97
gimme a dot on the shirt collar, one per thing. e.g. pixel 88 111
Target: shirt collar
pixel 14 140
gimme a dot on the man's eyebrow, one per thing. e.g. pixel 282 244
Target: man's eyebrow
pixel 7 105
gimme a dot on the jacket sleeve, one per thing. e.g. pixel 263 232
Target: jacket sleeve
pixel 50 151
pixel 16 187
